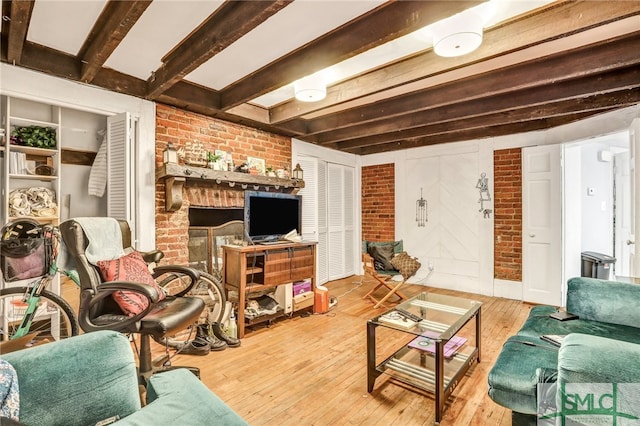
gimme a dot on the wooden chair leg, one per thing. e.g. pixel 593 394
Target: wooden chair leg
pixel 391 293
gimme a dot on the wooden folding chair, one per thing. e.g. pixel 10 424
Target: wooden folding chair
pixel 383 281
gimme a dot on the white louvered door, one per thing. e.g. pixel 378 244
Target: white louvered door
pixel 335 187
pixel 328 216
pixel 120 168
pixel 323 241
pixel 341 220
pixel 349 219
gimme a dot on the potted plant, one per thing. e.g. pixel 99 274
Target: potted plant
pixel 270 171
pixel 34 136
pixel 212 159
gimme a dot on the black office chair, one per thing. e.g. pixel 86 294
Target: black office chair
pixel 98 310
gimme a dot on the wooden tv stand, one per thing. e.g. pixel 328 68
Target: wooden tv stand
pixel 256 268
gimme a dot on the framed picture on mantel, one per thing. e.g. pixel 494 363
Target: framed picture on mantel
pixel 256 163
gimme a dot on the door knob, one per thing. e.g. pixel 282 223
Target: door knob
pixel 629 242
pixel 532 235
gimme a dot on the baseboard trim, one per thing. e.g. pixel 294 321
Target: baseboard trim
pixel 507 289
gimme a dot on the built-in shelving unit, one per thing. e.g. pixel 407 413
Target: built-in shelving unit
pixel 20 161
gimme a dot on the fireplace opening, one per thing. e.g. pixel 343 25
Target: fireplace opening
pixel 214 216
pixel 209 230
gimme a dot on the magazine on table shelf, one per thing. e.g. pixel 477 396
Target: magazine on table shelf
pixel 426 343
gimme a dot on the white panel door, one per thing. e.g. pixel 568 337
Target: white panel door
pixel 541 228
pixel 634 176
pixel 623 214
pixel 119 168
pixel 450 238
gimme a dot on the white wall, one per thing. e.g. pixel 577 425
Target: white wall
pixel 80 131
pixel 596 200
pixel 41 87
pixel 445 273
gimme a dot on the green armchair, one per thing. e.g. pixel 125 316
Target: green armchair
pixel 91 378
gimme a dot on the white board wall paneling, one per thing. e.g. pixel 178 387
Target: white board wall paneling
pixel 450 239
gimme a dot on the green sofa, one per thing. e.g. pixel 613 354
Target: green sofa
pixel 602 346
pixel 92 377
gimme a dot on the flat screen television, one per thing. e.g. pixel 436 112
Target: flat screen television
pixel 270 215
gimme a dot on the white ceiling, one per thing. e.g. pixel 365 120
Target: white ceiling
pixel 64 25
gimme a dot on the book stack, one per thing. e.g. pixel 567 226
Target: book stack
pixel 397 320
pixel 17 163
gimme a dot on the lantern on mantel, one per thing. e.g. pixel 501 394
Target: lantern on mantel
pixel 170 154
pixel 297 173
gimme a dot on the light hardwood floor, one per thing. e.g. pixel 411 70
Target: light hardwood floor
pixel 312 370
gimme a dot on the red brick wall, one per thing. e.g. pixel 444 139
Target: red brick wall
pixel 507 204
pixel 179 127
pixel 378 202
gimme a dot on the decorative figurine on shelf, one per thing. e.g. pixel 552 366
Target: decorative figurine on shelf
pixel 242 168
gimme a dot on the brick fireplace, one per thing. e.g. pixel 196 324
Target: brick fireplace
pixel 181 127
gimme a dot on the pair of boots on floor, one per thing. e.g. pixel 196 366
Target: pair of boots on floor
pixel 209 337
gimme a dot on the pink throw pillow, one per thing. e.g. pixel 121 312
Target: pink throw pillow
pixel 130 267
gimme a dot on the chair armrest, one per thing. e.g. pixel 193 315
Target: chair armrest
pixel 177 397
pixel 592 359
pixel 193 274
pixel 77 381
pixel 604 301
pixel 153 256
pixel 105 290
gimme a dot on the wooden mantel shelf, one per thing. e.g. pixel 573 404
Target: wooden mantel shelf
pixel 175 175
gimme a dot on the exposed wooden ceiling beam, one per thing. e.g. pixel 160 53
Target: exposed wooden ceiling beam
pixel 113 24
pixel 617 99
pixel 556 21
pixel 387 22
pixel 538 96
pixel 372 119
pixel 483 133
pixel 225 25
pixel 194 98
pixel 18 26
pixel 59 64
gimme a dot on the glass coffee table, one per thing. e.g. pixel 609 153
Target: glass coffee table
pixel 436 359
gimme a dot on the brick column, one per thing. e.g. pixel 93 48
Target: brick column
pixel 378 202
pixel 507 172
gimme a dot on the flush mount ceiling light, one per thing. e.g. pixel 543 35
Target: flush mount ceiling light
pixel 458 35
pixel 310 89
